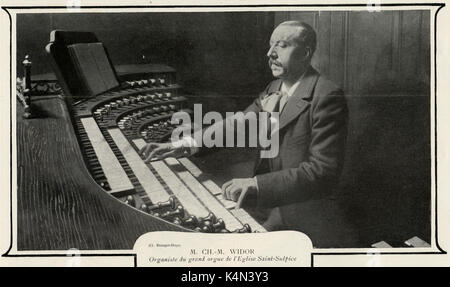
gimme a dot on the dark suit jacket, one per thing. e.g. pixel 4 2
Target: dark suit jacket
pixel 297 185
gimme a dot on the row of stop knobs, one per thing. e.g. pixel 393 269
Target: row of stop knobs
pixel 147 98
pixel 127 121
pixel 145 82
pixel 172 211
pixel 157 129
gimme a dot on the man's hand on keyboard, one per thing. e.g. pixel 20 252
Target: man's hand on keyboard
pixel 238 189
pixel 161 150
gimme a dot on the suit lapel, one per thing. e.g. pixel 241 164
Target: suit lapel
pixel 274 87
pixel 297 103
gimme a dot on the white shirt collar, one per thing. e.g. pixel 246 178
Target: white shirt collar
pixel 291 91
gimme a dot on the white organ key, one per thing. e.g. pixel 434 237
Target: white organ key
pixel 209 184
pixel 187 199
pixel 207 198
pixel 114 173
pixel 189 165
pixel 241 214
pixel 182 193
pixel 147 179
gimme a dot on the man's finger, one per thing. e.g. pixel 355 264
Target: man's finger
pixel 241 199
pixel 225 186
pixel 170 153
pixel 145 149
pixel 228 190
pixel 153 153
pixel 235 193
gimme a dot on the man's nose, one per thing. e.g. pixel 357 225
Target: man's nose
pixel 271 53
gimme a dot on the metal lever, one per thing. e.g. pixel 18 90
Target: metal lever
pixel 24 94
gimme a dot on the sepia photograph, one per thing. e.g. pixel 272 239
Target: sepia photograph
pixel 224 120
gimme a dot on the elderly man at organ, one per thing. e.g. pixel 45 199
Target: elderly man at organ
pixel 104 157
pixel 293 190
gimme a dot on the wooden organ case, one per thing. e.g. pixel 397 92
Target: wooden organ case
pixel 81 182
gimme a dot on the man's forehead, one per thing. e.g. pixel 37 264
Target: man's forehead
pixel 285 33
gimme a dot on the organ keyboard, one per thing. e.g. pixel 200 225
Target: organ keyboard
pixel 115 147
pixel 111 127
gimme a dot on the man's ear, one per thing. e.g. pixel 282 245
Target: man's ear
pixel 308 53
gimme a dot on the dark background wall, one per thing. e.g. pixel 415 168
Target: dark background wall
pixel 213 52
pixel 382 60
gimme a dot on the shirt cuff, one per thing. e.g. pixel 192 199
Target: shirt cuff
pixel 255 180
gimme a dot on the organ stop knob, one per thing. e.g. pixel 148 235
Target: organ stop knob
pixel 210 217
pixel 130 201
pixel 171 202
pixel 178 212
pixel 245 229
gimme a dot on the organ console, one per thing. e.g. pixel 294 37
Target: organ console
pixel 82 183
